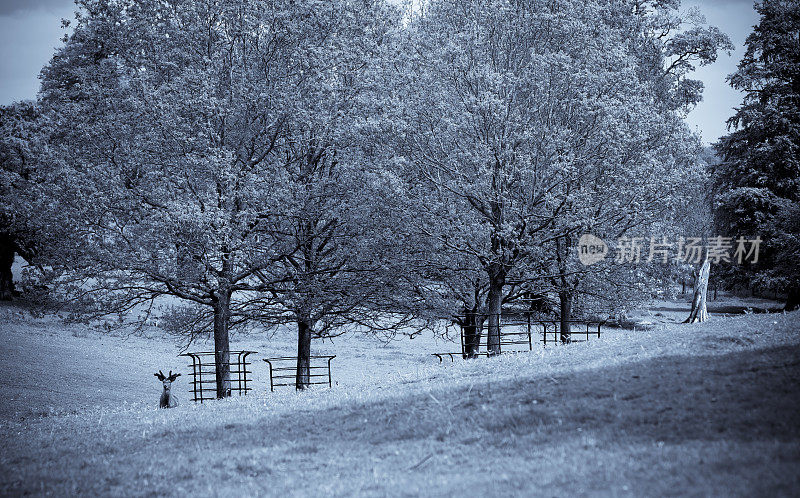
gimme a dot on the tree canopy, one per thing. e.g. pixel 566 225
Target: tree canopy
pixel 527 124
pixel 330 163
pixel 192 140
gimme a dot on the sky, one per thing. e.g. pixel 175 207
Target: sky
pixel 30 30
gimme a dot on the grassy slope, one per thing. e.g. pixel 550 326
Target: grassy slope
pixel 701 409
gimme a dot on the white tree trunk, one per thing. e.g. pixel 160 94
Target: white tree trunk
pixel 699 311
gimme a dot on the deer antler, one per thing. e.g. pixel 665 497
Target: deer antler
pixel 171 376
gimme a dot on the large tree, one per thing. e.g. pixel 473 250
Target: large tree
pixel 757 184
pixel 636 193
pixel 341 216
pixel 176 129
pixel 529 123
pixel 337 212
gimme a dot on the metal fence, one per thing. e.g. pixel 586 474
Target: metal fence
pixel 204 374
pixel 517 332
pixel 284 368
pixel 576 328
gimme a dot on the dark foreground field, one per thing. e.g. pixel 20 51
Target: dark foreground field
pixel 709 409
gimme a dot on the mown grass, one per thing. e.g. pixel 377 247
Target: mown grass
pixel 708 410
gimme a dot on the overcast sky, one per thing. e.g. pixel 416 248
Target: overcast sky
pixel 31 29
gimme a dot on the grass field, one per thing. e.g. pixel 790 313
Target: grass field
pixel 709 410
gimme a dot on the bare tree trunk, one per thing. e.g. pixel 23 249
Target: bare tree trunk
pixel 480 318
pixel 468 335
pixel 303 377
pixel 792 300
pixel 222 353
pixel 495 304
pixel 469 329
pixel 472 327
pixel 565 298
pixel 699 311
pixel 565 292
pixel 7 250
pixel 496 269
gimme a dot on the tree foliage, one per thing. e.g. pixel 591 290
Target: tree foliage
pixel 327 164
pixel 757 184
pixel 530 123
pixel 194 143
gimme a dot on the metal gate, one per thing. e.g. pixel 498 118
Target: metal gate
pixel 204 374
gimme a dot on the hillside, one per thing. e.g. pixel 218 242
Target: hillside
pixel 699 409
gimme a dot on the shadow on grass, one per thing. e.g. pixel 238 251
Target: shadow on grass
pixel 743 396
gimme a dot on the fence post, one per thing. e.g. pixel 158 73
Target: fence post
pixel 500 331
pixel 530 342
pixel 194 379
pixel 271 383
pixel 199 380
pixel 239 367
pixel 330 384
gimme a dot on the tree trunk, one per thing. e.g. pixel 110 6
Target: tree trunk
pixel 469 332
pixel 303 378
pixel 479 319
pixel 7 250
pixel 565 298
pixel 499 266
pixel 792 300
pixel 495 303
pixel 699 311
pixel 472 327
pixel 222 353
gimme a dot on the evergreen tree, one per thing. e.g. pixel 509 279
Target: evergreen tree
pixel 757 184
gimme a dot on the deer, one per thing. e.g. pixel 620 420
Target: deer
pixel 168 400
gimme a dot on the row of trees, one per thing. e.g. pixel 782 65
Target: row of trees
pixel 345 163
